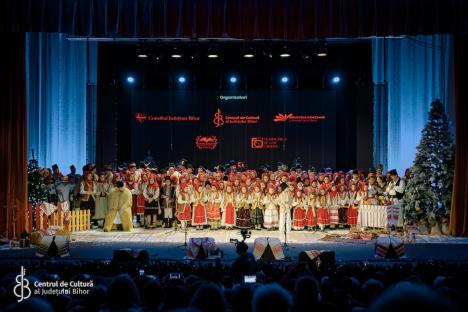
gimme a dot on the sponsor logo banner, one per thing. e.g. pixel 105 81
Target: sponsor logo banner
pixel 206 142
pixel 266 142
pixel 142 117
pixel 298 118
pixel 220 119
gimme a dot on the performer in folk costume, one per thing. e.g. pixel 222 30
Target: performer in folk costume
pixel 167 201
pixel 311 216
pixel 285 200
pixel 119 201
pixel 141 203
pixel 333 207
pixel 229 210
pixel 109 173
pixel 243 203
pixel 88 191
pixel 103 189
pixel 133 188
pixel 299 205
pixel 199 212
pixel 257 206
pixel 322 203
pixel 395 191
pixel 270 201
pixel 353 202
pixel 132 170
pixel 373 189
pixel 184 213
pixel 151 194
pixel 362 195
pixel 214 207
pixel 342 205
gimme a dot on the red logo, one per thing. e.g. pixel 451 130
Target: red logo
pixel 206 142
pixel 140 117
pixel 256 142
pixel 218 119
pixel 282 117
pixel 267 142
pixel 298 118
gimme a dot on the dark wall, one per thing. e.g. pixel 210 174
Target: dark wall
pixel 350 60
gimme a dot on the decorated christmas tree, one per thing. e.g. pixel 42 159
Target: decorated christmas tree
pixel 428 193
pixel 37 190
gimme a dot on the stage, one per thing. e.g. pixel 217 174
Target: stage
pixel 168 244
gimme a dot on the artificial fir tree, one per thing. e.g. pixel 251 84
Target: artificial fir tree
pixel 428 193
pixel 37 190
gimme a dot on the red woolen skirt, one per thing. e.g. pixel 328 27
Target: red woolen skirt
pixel 214 211
pixel 352 215
pixel 323 217
pixel 134 204
pixel 299 220
pixel 184 213
pixel 141 204
pixel 310 217
pixel 199 214
pixel 229 215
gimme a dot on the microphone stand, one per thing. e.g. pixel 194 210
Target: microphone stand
pixel 285 244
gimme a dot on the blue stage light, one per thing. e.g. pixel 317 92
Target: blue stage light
pixel 284 79
pixel 233 79
pixel 336 79
pixel 130 79
pixel 182 79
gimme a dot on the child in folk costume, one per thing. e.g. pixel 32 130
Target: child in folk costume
pixel 88 191
pixel 310 221
pixel 243 203
pixel 257 206
pixel 321 203
pixel 103 189
pixel 285 200
pixel 151 194
pixel 198 200
pixel 214 208
pixel 184 213
pixel 299 205
pixel 342 205
pixel 167 195
pixel 353 205
pixel 229 210
pixel 140 197
pixel 133 187
pixel 270 201
pixel 333 208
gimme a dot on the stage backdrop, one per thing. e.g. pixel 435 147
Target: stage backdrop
pixel 212 127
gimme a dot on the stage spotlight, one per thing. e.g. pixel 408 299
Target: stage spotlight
pixel 181 79
pixel 130 79
pixel 212 55
pixel 322 50
pixel 176 53
pixel 285 55
pixel 142 55
pixel 284 79
pixel 233 79
pixel 248 55
pixel 336 79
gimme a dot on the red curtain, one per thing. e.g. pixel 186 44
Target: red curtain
pixel 13 136
pixel 245 19
pixel 459 213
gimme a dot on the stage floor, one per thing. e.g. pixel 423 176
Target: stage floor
pixel 168 244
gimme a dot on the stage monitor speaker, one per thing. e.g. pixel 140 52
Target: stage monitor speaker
pixel 321 259
pixel 54 246
pixel 201 247
pixel 268 248
pixel 389 247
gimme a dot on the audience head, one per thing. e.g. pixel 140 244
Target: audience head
pixel 122 293
pixel 271 298
pixel 209 298
pixel 241 248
